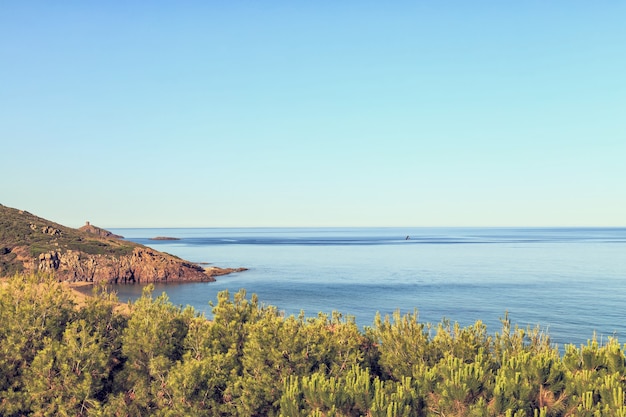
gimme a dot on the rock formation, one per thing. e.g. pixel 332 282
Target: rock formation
pixel 143 265
pixel 30 243
pixel 98 231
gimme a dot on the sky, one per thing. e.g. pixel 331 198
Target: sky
pixel 321 114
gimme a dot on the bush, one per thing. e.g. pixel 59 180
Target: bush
pixel 61 359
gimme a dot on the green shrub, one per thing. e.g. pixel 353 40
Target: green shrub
pixel 60 359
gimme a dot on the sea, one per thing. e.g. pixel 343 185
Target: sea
pixel 568 282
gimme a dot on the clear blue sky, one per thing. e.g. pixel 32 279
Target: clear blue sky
pixel 327 113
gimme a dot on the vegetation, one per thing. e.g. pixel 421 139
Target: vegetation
pixel 57 358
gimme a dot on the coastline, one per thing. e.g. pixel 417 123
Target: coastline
pixel 80 294
pixel 81 297
pixel 78 288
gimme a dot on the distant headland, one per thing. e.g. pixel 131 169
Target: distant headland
pixel 89 254
pixel 94 230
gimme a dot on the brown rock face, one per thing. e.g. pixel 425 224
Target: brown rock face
pixel 98 231
pixel 144 265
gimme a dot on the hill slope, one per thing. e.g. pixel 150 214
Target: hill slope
pixel 30 243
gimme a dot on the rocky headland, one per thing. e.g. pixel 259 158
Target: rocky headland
pixel 94 230
pixel 90 254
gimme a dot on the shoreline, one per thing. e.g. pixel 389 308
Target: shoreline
pixel 81 297
pixel 77 289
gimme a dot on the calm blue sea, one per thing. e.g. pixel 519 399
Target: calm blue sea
pixel 569 281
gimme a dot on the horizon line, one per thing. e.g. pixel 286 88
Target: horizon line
pixel 376 227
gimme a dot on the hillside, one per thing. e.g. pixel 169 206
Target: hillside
pixel 29 243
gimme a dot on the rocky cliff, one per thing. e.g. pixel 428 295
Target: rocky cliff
pixel 143 265
pixel 30 243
